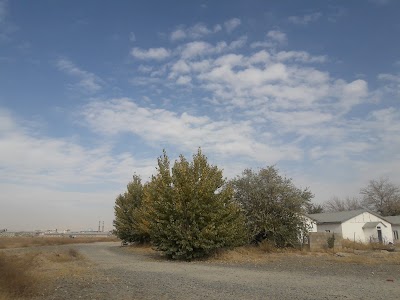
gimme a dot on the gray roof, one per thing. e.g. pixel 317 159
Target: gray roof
pixel 372 224
pixel 393 219
pixel 341 216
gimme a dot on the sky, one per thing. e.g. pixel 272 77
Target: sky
pixel 91 92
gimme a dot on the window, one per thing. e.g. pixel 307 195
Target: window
pixel 327 230
pixel 395 234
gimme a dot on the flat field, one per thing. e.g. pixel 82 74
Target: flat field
pixel 108 271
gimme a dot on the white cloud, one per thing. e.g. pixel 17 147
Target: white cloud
pixel 150 54
pixel 232 24
pixel 186 131
pixel 274 38
pixel 299 56
pixel 196 31
pixel 277 36
pixel 183 80
pixel 273 100
pixel 178 34
pixel 391 82
pixel 305 19
pixel 195 49
pixel 88 82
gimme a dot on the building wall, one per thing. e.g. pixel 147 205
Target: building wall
pixel 354 228
pixel 396 228
pixel 319 240
pixel 332 227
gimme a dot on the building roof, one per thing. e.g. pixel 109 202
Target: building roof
pixel 372 224
pixel 395 220
pixel 341 216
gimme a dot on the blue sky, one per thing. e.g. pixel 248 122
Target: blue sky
pixel 92 91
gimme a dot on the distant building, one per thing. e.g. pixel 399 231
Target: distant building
pixel 362 225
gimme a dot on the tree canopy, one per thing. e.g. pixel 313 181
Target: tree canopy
pixel 336 204
pixel 382 196
pixel 273 206
pixel 193 212
pixel 127 216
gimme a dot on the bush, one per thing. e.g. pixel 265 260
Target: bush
pixel 192 213
pixel 128 214
pixel 331 241
pixel 273 206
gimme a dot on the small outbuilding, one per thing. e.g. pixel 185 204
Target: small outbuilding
pixel 360 225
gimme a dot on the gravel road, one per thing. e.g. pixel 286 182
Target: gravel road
pixel 118 273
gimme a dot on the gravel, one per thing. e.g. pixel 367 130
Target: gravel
pixel 118 273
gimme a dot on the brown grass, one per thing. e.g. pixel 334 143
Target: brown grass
pixel 262 253
pixel 265 253
pixel 350 245
pixel 16 276
pixel 29 274
pixel 22 242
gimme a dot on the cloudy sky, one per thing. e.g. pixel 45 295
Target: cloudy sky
pixel 92 91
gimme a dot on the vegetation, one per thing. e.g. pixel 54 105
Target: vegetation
pixel 331 241
pixel 336 204
pixel 22 242
pixel 379 195
pixel 273 206
pixel 192 209
pixel 29 274
pixel 382 196
pixel 127 211
pixel 312 208
pixel 16 276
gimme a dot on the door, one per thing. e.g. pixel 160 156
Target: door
pixel 380 235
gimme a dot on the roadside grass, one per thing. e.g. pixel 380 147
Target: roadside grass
pixel 369 258
pixel 22 242
pixel 351 245
pixel 26 275
pixel 266 252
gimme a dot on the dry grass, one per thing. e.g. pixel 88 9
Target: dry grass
pixel 21 242
pixel 266 253
pixel 263 253
pixel 17 276
pixel 369 258
pixel 30 274
pixel 350 245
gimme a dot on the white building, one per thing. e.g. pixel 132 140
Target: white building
pixel 395 220
pixel 360 225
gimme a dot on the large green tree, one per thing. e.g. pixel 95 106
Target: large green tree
pixel 127 212
pixel 273 206
pixel 192 209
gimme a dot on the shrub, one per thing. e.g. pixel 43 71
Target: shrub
pixel 192 210
pixel 128 211
pixel 273 206
pixel 331 241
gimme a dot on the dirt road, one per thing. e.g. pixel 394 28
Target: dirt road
pixel 120 274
